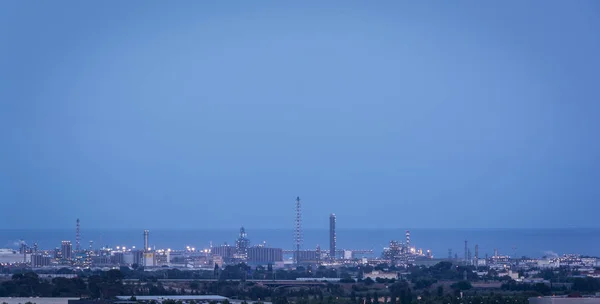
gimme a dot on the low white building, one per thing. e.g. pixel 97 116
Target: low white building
pixel 187 299
pixel 513 275
pixel 382 275
pixel 9 256
pixel 36 300
pixel 564 300
pixel 548 263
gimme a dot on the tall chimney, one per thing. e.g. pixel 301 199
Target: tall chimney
pixel 146 244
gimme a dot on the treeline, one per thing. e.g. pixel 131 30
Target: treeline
pixel 110 284
pixel 105 285
pixel 444 271
pixel 587 285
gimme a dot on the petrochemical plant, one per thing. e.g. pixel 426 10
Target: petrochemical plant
pixel 398 253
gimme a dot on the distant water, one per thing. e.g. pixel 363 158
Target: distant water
pixel 514 242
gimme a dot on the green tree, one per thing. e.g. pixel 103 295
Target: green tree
pixel 216 270
pixel 461 285
pixel 542 288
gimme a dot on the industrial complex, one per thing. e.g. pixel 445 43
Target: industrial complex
pixel 242 251
pixel 400 253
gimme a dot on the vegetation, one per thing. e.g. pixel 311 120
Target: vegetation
pixel 439 284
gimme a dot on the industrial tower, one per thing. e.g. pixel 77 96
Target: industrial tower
pixel 146 244
pixel 77 237
pixel 298 230
pixel 466 253
pixel 408 240
pixel 242 244
pixel 332 237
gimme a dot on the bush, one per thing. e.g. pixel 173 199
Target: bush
pixel 462 285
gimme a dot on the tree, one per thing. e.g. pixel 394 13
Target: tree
pixel 368 281
pixel 216 270
pixel 440 290
pixel 542 288
pixel 587 284
pixel 423 283
pixel 114 276
pixel 462 285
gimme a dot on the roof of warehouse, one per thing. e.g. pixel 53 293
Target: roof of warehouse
pixel 190 297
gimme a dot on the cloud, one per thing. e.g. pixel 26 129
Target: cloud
pixel 18 243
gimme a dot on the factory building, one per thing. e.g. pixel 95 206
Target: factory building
pixel 224 251
pixel 149 259
pixel 399 253
pixel 117 258
pixel 264 255
pixel 66 250
pixel 133 257
pixel 242 252
pixel 101 260
pixel 40 260
pixel 307 255
pixel 163 258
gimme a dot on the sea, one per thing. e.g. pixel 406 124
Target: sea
pixel 511 242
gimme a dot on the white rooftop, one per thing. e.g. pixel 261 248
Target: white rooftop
pixel 183 298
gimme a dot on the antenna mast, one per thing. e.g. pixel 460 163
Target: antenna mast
pixel 298 230
pixel 77 237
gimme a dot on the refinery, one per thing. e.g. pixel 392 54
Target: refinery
pixel 400 252
pixel 241 251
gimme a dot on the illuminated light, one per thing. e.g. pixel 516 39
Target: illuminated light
pixel 193 249
pixel 118 247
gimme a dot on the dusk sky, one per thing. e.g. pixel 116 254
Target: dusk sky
pixel 216 114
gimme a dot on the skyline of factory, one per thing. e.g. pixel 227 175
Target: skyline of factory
pixel 398 252
pixel 242 251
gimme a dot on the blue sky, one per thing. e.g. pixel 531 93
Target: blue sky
pixel 207 114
